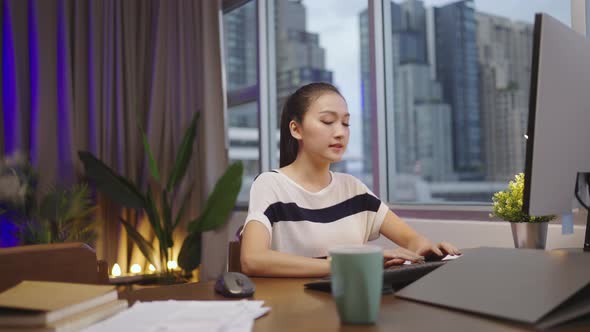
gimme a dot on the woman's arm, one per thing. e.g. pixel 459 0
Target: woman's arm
pixel 395 229
pixel 257 259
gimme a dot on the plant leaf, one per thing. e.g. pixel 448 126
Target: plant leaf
pixel 106 180
pixel 151 161
pixel 167 215
pixel 189 257
pixel 184 154
pixel 70 212
pixel 154 219
pixel 144 246
pixel 50 204
pixel 221 201
pixel 182 208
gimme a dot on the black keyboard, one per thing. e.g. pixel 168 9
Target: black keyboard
pixel 394 278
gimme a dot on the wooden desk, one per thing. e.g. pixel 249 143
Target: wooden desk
pixel 295 309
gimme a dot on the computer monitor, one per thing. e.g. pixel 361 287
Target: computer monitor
pixel 558 144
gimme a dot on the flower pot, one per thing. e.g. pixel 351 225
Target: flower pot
pixel 531 235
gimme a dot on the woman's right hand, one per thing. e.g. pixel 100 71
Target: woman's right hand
pixel 398 256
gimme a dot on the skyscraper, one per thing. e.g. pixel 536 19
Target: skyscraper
pixel 458 71
pixel 239 28
pixel 421 119
pixel 504 59
pixel 367 135
pixel 422 125
pixel 300 58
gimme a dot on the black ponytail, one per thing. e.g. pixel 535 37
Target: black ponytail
pixel 294 109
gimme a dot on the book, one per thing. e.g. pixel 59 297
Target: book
pixel 39 303
pixel 74 322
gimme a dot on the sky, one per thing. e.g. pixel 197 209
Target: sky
pixel 337 23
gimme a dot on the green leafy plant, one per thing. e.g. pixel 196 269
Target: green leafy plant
pixel 58 215
pixel 508 203
pixel 157 201
pixel 64 215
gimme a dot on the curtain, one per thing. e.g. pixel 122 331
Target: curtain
pixel 82 74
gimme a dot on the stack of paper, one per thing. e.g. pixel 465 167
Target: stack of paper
pixel 56 306
pixel 178 316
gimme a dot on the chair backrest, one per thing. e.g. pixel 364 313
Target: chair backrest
pixel 67 262
pixel 234 250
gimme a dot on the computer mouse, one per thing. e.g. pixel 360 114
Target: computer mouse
pixel 234 284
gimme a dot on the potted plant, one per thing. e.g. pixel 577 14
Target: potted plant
pixel 527 231
pixel 157 202
pixel 44 216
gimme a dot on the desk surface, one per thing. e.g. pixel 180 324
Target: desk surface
pixel 294 308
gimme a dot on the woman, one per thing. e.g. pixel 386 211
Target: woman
pixel 299 211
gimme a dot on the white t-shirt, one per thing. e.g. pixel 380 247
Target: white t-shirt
pixel 307 224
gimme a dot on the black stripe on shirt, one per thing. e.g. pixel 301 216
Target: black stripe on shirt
pixel 280 211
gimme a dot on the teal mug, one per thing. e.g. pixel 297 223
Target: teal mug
pixel 357 281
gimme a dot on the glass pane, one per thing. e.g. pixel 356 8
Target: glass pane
pixel 241 64
pixel 320 41
pixel 239 32
pixel 460 86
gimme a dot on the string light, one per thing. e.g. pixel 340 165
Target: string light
pixel 135 268
pixel 116 270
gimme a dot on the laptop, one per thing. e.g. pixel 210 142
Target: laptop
pixel 542 288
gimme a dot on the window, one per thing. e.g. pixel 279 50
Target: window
pixel 322 41
pixel 459 74
pixel 437 89
pixel 241 62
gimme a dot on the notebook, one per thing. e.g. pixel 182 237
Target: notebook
pixel 74 322
pixel 39 303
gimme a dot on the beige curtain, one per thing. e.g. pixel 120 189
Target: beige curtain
pixel 88 71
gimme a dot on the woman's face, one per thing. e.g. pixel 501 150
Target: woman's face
pixel 324 132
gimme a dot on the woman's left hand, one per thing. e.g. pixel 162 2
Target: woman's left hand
pixel 437 251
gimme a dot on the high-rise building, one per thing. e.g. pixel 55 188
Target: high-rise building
pixel 434 151
pixel 421 118
pixel 408 28
pixel 417 98
pixel 457 69
pixel 300 58
pixel 239 28
pixel 422 125
pixel 367 135
pixel 504 59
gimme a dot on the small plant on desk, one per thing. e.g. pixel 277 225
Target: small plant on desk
pixel 508 204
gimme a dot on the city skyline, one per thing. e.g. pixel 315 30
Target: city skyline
pixel 437 88
pixel 337 20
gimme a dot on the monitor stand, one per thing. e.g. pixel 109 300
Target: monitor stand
pixel 586 247
pixel 587 237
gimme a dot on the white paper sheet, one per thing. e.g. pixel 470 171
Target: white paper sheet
pixel 180 316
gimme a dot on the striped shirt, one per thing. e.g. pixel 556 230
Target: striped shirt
pixel 309 223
